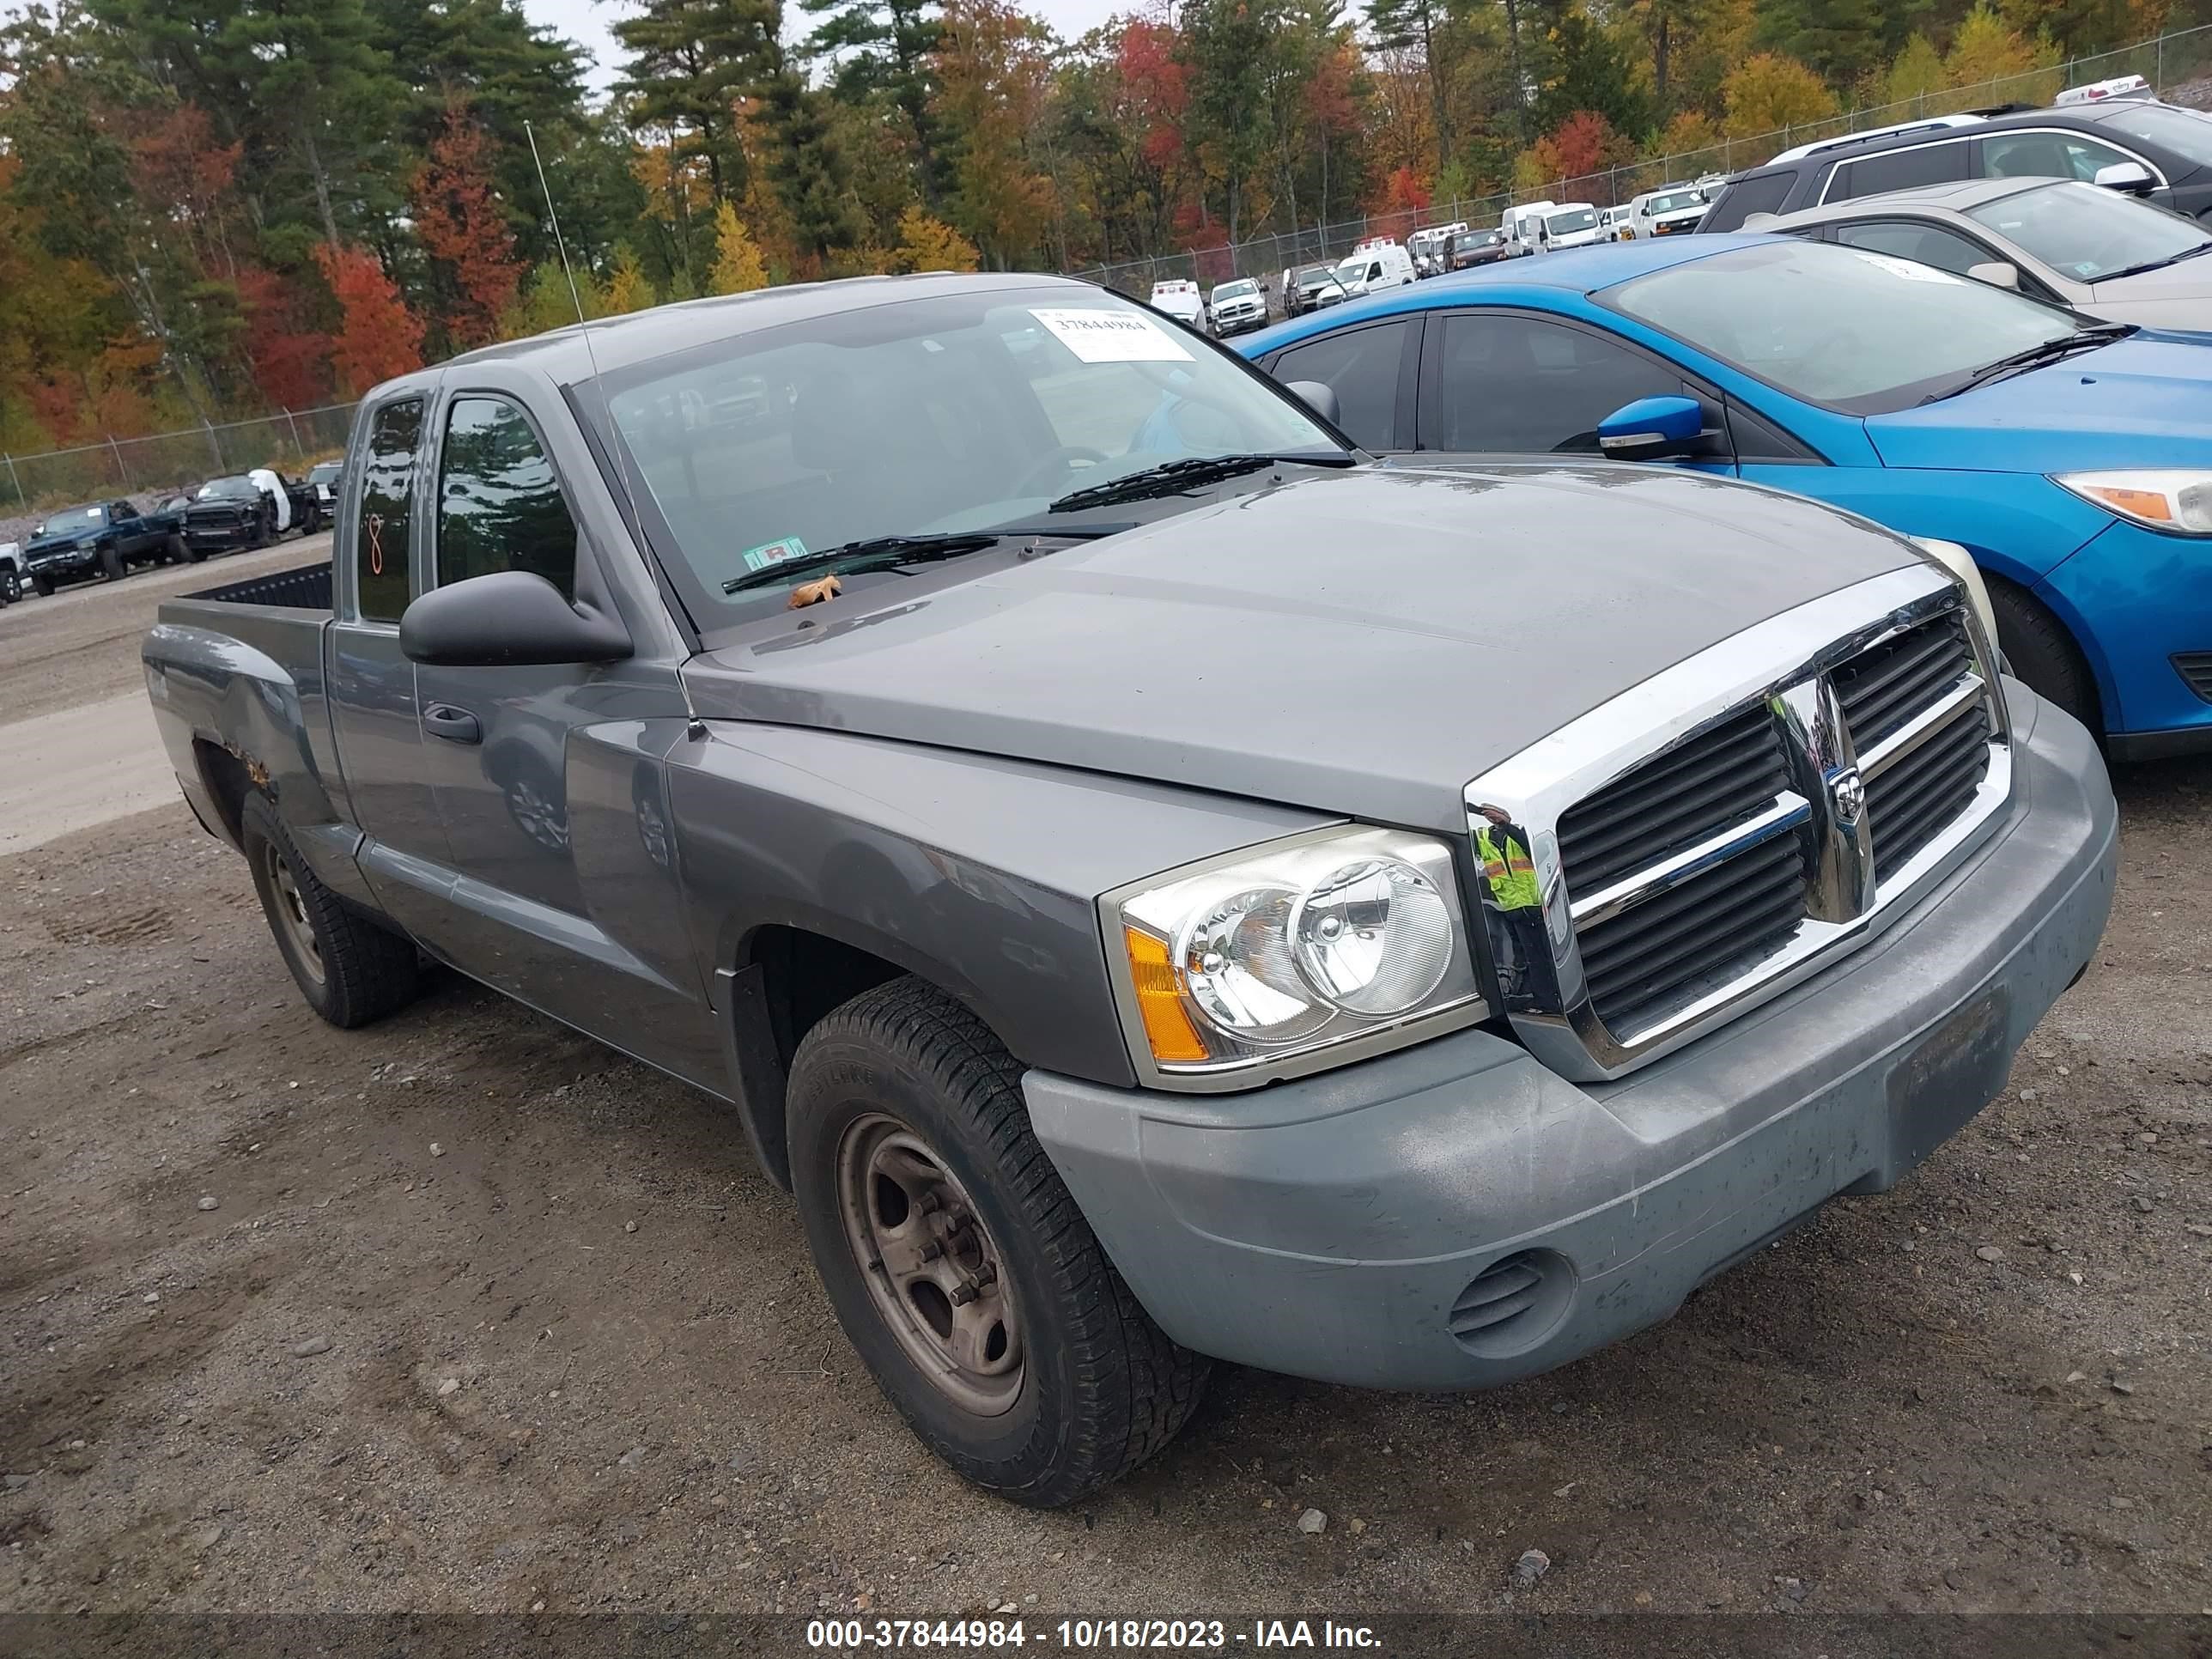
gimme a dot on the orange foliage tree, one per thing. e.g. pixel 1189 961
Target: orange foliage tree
pixel 378 336
pixel 459 222
pixel 289 361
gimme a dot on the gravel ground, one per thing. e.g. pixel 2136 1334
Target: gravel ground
pixel 462 1312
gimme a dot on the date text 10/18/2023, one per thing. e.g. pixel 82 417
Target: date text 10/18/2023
pixel 1085 1635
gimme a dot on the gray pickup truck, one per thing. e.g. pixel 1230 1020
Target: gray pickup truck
pixel 1183 892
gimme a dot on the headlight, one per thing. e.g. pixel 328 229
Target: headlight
pixel 2178 503
pixel 1260 961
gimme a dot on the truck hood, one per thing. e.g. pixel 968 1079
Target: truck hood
pixel 2143 401
pixel 67 542
pixel 1360 643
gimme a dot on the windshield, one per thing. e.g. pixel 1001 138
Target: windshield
pixel 323 472
pixel 1354 268
pixel 1563 224
pixel 76 516
pixel 1236 290
pixel 2088 234
pixel 1314 275
pixel 1858 331
pixel 955 412
pixel 1479 239
pixel 230 489
pixel 2183 131
pixel 1675 203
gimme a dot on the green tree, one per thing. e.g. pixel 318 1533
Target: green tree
pixel 1917 71
pixel 806 165
pixel 1838 40
pixel 690 62
pixel 883 50
pixel 1227 45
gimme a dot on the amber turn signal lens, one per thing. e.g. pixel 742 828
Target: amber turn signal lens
pixel 1159 1000
pixel 2140 503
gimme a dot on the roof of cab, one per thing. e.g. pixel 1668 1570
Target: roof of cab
pixel 622 341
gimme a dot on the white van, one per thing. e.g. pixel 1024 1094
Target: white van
pixel 1523 226
pixel 1613 224
pixel 1373 267
pixel 1570 224
pixel 1181 300
pixel 1669 210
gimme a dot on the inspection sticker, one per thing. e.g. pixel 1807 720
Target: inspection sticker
pixel 768 553
pixel 1113 336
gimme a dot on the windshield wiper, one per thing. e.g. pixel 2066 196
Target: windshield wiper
pixel 880 552
pixel 1172 478
pixel 2157 265
pixel 2036 356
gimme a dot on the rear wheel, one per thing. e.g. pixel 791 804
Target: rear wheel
pixel 2040 651
pixel 959 1264
pixel 350 970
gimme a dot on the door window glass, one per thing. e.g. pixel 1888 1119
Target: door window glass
pixel 1901 169
pixel 2046 155
pixel 1508 385
pixel 499 503
pixel 1739 201
pixel 1931 245
pixel 1361 366
pixel 387 489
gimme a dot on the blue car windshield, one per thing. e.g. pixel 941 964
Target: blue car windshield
pixel 1864 333
pixel 952 413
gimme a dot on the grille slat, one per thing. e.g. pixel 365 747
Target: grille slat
pixel 1733 912
pixel 1645 962
pixel 1883 687
pixel 1720 779
pixel 1909 805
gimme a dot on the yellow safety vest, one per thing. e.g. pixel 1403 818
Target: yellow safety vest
pixel 1511 874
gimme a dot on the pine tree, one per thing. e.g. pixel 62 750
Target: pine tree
pixel 807 167
pixel 738 268
pixel 884 49
pixel 691 61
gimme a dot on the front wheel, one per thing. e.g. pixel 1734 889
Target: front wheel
pixel 174 551
pixel 111 564
pixel 11 585
pixel 350 970
pixel 958 1262
pixel 43 585
pixel 2040 650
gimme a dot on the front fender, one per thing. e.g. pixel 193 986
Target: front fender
pixel 979 874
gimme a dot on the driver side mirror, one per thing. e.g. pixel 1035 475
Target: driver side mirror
pixel 509 619
pixel 1651 428
pixel 1317 395
pixel 2130 178
pixel 1998 273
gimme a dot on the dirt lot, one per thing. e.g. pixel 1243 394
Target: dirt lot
pixel 464 1313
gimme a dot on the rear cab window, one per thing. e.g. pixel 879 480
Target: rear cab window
pixel 387 488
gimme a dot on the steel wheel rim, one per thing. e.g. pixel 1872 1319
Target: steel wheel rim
pixel 292 913
pixel 932 1267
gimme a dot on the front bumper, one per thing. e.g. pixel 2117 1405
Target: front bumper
pixel 1246 324
pixel 219 536
pixel 1341 1226
pixel 63 567
pixel 2134 599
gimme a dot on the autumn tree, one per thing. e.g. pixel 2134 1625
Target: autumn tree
pixel 737 267
pixel 992 71
pixel 628 289
pixel 1917 71
pixel 378 336
pixel 1768 92
pixel 927 244
pixel 461 224
pixel 1573 155
pixel 1983 49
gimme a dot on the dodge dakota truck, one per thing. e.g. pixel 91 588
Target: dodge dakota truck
pixel 1156 887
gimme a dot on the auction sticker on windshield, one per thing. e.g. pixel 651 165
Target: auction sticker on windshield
pixel 1113 336
pixel 768 553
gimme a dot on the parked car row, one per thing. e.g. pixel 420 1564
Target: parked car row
pixel 107 540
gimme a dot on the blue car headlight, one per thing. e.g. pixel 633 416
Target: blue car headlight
pixel 2172 500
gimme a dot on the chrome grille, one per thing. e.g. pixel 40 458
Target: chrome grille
pixel 1720 779
pixel 1683 884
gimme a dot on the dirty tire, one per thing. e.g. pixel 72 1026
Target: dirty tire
pixel 1103 1388
pixel 2040 650
pixel 365 972
pixel 111 564
pixel 173 551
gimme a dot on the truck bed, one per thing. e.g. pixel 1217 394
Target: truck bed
pixel 306 588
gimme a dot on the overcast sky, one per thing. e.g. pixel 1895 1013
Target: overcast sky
pixel 589 22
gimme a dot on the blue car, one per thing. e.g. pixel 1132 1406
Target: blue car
pixel 2073 459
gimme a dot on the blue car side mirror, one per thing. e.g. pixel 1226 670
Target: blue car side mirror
pixel 1651 427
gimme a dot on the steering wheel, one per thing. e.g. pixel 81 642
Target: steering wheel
pixel 1055 466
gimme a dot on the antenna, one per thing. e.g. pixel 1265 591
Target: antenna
pixel 693 726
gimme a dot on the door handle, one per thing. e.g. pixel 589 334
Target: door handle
pixel 442 719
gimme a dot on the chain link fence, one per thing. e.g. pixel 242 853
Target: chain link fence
pixel 288 441
pixel 2178 66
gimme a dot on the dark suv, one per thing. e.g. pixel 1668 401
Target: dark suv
pixel 2172 146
